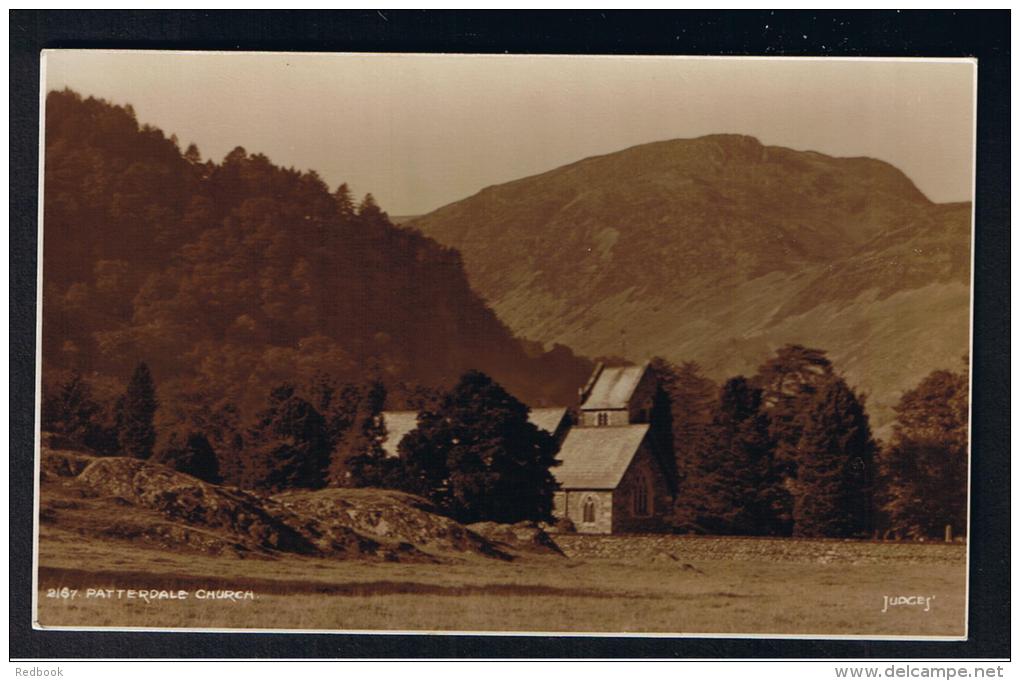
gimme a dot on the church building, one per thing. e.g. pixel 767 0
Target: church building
pixel 612 468
pixel 612 479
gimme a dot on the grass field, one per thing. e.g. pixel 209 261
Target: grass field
pixel 836 588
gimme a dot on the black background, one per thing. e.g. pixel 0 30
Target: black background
pixel 984 35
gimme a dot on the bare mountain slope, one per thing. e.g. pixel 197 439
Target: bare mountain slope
pixel 720 249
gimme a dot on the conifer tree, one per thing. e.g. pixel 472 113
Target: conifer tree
pixel 732 484
pixel 370 212
pixel 72 413
pixel 692 401
pixel 924 468
pixel 358 459
pixel 192 155
pixel 479 457
pixel 833 490
pixel 136 410
pixel 289 447
pixel 344 201
pixel 789 381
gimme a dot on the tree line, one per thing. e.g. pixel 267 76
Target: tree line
pixel 787 452
pixel 790 452
pixel 474 454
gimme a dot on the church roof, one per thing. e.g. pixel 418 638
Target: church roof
pixel 597 458
pixel 398 424
pixel 548 419
pixel 614 387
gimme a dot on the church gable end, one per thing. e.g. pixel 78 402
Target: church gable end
pixel 642 502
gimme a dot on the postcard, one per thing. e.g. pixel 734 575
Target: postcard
pixel 503 344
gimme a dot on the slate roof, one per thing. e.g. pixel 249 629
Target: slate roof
pixel 398 424
pixel 597 458
pixel 614 387
pixel 548 419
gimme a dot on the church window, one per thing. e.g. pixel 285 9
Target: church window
pixel 589 510
pixel 642 494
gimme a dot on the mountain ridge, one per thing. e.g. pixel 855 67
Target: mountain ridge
pixel 231 278
pixel 720 249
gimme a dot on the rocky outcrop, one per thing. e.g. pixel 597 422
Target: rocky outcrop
pixel 526 537
pixel 140 501
pixel 390 516
pixel 59 463
pixel 188 500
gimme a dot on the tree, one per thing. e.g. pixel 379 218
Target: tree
pixel 193 155
pixel 218 421
pixel 732 484
pixel 72 413
pixel 924 469
pixel 788 382
pixel 692 401
pixel 288 445
pixel 192 455
pixel 478 456
pixel 337 403
pixel 358 459
pixel 833 490
pixel 369 210
pixel 135 413
pixel 344 201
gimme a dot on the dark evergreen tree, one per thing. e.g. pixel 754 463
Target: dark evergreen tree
pixel 732 484
pixel 218 421
pixel 789 381
pixel 288 448
pixel 192 455
pixel 359 459
pixel 338 404
pixel 70 410
pixel 692 401
pixel 661 421
pixel 369 211
pixel 192 155
pixel 833 490
pixel 924 468
pixel 479 457
pixel 344 201
pixel 77 418
pixel 136 411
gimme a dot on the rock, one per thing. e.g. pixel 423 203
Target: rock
pixel 61 463
pixel 132 499
pixel 188 500
pixel 388 515
pixel 523 536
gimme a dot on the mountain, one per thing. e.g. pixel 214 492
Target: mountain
pixel 720 249
pixel 230 278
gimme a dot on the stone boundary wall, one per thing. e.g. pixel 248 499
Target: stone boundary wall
pixel 687 549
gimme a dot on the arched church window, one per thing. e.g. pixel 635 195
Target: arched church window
pixel 642 496
pixel 589 510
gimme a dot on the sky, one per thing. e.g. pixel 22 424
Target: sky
pixel 421 131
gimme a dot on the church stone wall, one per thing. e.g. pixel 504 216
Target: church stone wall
pixel 571 503
pixel 643 469
pixel 643 399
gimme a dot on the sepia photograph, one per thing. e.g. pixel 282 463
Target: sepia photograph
pixel 504 344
